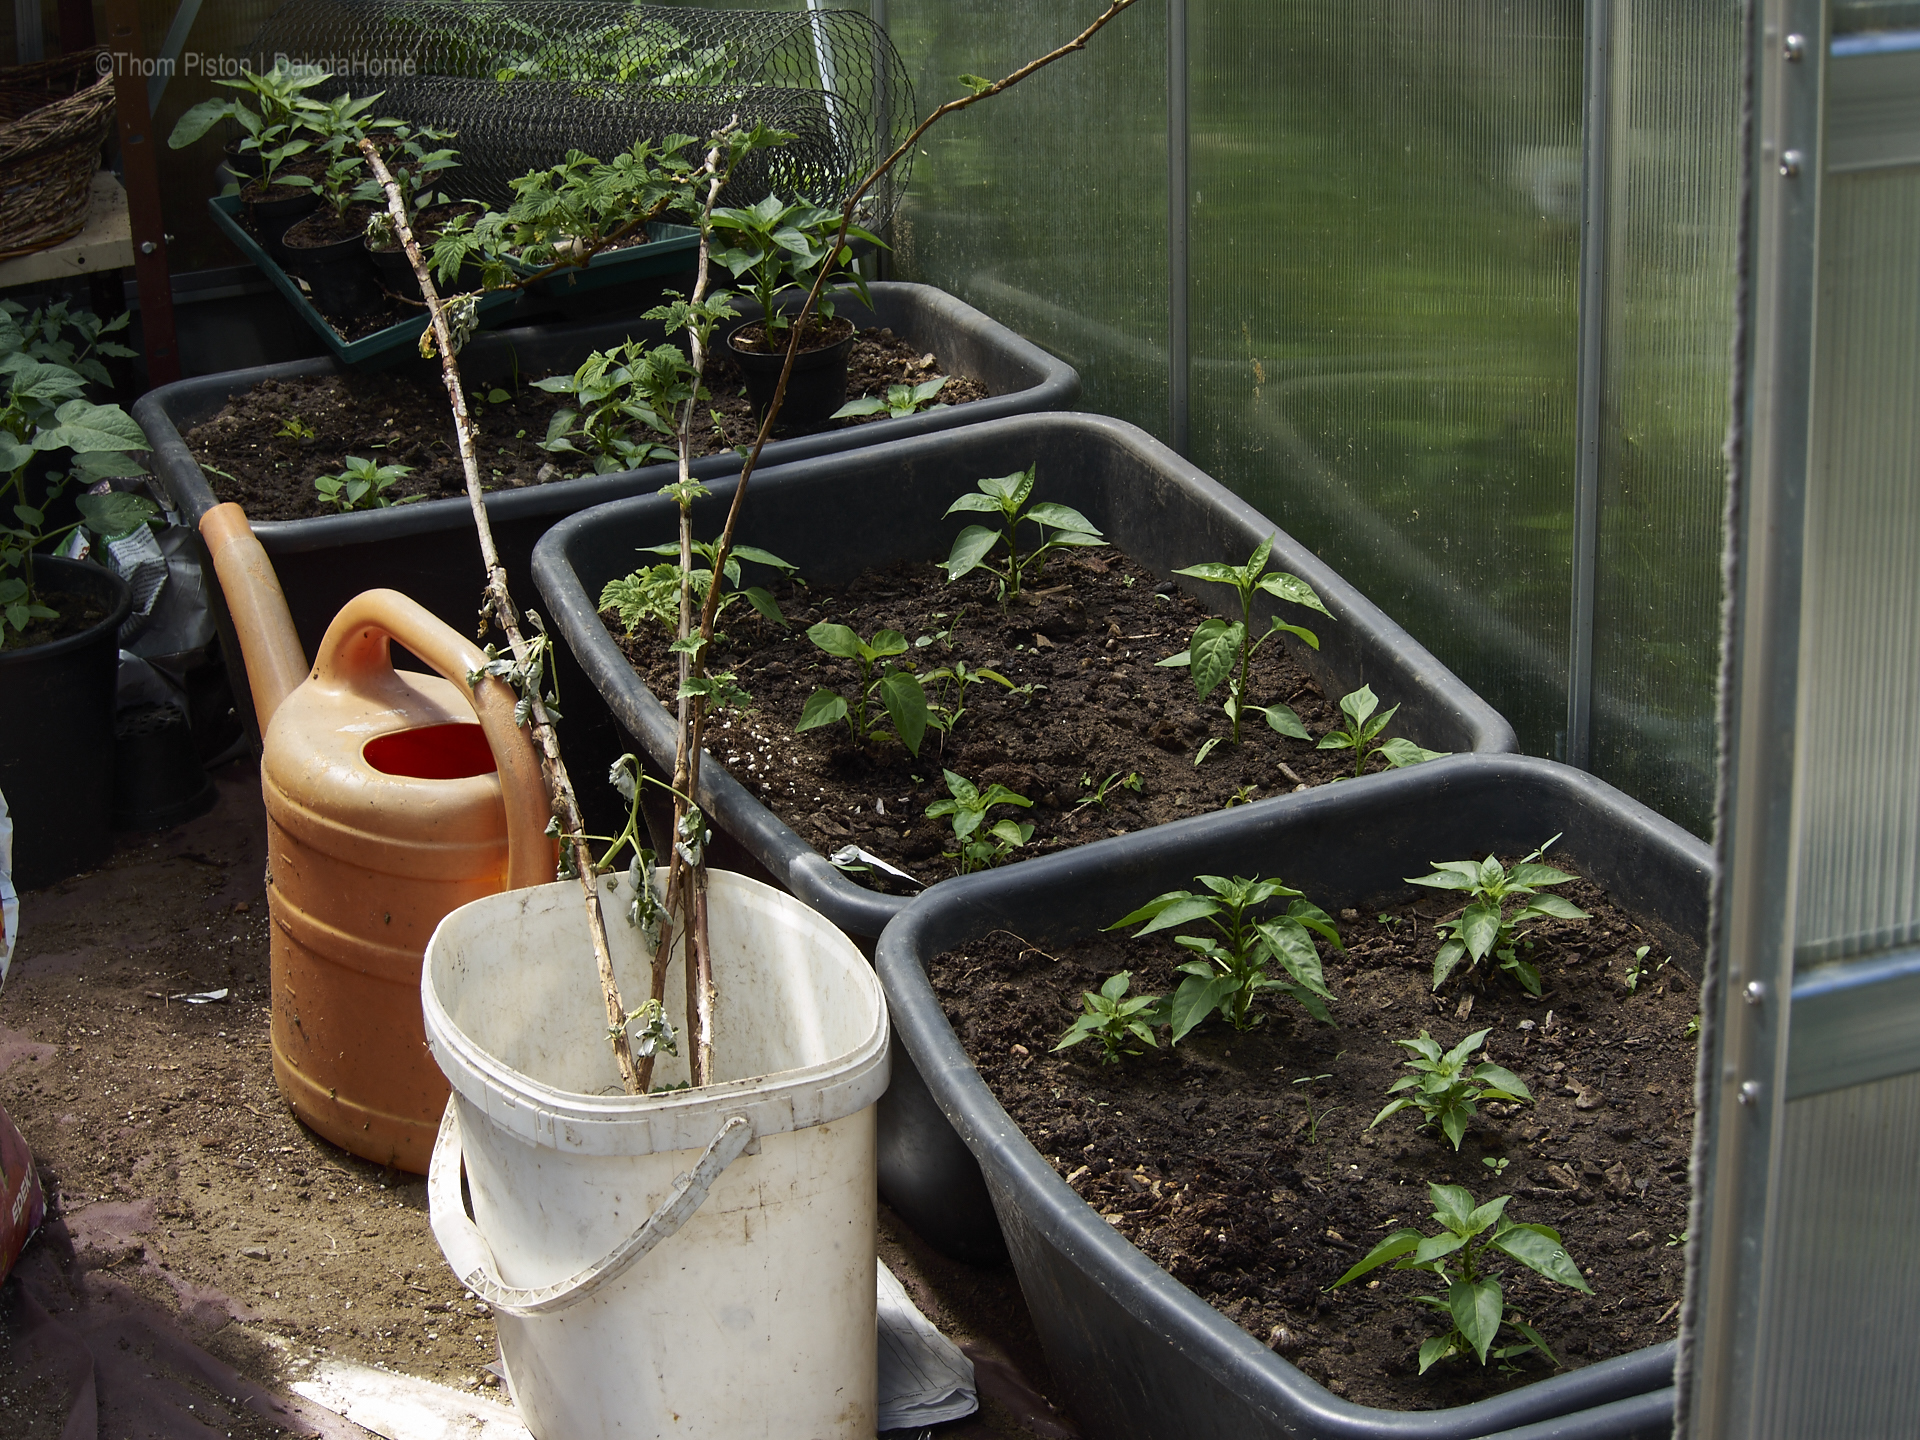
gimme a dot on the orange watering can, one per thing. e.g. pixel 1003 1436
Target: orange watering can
pixel 387 807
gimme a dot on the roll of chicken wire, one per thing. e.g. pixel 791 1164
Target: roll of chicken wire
pixel 523 82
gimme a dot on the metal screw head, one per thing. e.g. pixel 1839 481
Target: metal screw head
pixel 1790 161
pixel 1794 47
pixel 147 247
pixel 1755 992
pixel 1750 1093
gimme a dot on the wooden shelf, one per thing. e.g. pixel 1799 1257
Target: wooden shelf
pixel 105 244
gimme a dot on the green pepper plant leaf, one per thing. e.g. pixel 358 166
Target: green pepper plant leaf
pixel 1474 1305
pixel 1483 928
pixel 1231 968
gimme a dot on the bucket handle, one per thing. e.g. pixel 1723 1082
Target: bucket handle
pixel 467 1251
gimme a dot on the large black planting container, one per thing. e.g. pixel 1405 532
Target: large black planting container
pixel 1136 1353
pixel 56 732
pixel 427 550
pixel 875 507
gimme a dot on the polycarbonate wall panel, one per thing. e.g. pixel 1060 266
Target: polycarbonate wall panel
pixel 1046 206
pixel 1859 828
pixel 1841 1314
pixel 1386 198
pixel 1673 206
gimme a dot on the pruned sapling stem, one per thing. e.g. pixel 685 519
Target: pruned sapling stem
pixel 507 615
pixel 710 608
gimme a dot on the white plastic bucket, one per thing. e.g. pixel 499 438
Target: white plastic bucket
pixel 694 1263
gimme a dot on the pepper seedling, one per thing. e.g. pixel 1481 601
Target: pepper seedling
pixel 1474 1304
pixel 899 690
pixel 1448 1088
pixel 1223 650
pixel 1122 1025
pixel 1363 727
pixel 1482 927
pixel 1232 971
pixel 967 809
pixel 900 402
pixel 1007 497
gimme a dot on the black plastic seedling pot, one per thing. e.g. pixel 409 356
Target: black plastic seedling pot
pixel 876 507
pixel 1135 1352
pixel 428 551
pixel 56 732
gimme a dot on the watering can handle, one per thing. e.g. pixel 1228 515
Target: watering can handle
pixel 355 655
pixel 467 1251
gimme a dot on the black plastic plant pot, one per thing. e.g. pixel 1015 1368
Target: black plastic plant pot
pixel 816 388
pixel 56 732
pixel 880 506
pixel 339 277
pixel 1136 1353
pixel 273 218
pixel 428 551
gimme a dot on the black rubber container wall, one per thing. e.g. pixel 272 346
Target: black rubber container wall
pixel 56 733
pixel 1136 1353
pixel 837 517
pixel 427 550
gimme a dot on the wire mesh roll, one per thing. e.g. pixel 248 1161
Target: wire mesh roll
pixel 523 82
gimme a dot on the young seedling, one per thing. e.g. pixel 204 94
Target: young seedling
pixel 1483 927
pixel 967 809
pixel 899 690
pixel 1639 970
pixel 294 428
pixel 900 402
pixel 1475 1305
pixel 1230 972
pixel 1223 650
pixel 1496 1163
pixel 363 485
pixel 1314 1119
pixel 1123 1026
pixel 1363 728
pixel 953 681
pixel 1099 795
pixel 1007 497
pixel 1448 1088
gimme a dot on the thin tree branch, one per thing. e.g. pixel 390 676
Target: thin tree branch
pixel 507 615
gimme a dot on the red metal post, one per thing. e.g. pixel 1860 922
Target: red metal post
pixel 141 167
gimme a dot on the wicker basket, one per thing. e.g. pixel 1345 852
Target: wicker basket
pixel 54 117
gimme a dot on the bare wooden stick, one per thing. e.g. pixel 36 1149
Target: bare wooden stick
pixel 500 605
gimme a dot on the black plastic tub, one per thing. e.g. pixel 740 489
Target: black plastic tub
pixel 1136 1353
pixel 428 551
pixel 56 732
pixel 878 506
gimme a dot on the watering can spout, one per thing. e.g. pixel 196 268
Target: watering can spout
pixel 275 662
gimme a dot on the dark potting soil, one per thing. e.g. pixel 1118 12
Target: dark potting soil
pixel 323 227
pixel 753 338
pixel 74 614
pixel 1242 1163
pixel 1085 637
pixel 265 447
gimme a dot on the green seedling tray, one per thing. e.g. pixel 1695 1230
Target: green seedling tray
pixel 668 248
pixel 370 352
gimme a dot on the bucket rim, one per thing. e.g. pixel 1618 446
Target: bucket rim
pixel 620 1124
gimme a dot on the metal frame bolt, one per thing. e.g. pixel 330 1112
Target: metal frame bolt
pixel 1790 161
pixel 1794 48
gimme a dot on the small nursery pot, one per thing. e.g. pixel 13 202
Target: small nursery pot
pixel 272 218
pixel 338 277
pixel 1136 1353
pixel 56 732
pixel 817 387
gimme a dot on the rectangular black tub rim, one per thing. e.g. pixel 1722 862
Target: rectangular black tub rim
pixel 1661 868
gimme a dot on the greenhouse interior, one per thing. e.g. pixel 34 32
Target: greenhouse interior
pixel 1135 718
